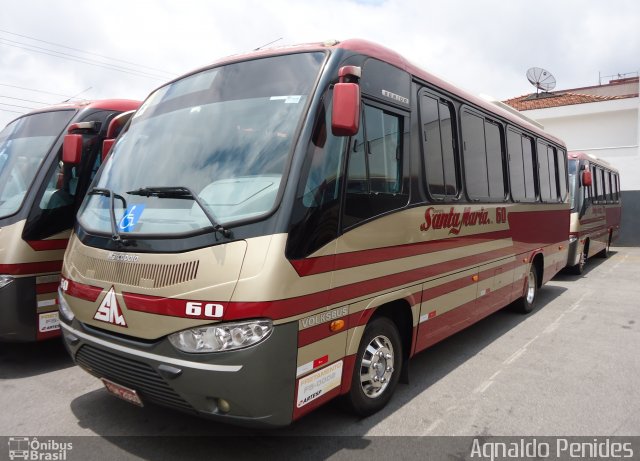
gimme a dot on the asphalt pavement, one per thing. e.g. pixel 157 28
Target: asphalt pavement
pixel 572 367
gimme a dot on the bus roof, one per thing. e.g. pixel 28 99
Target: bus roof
pixel 394 58
pixel 121 105
pixel 591 158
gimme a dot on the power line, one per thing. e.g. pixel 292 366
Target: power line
pixel 26 100
pixel 14 105
pixel 70 57
pixel 37 91
pixel 13 111
pixel 87 52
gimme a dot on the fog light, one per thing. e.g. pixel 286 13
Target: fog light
pixel 224 406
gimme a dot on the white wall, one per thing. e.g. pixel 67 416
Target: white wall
pixel 609 130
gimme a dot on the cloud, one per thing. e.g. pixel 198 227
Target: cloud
pixel 484 46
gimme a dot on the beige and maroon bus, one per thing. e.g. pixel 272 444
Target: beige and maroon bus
pixel 596 208
pixel 40 191
pixel 291 225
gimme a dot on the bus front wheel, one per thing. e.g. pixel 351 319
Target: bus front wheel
pixel 377 368
pixel 528 300
pixel 578 268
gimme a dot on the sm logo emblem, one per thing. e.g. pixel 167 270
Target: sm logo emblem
pixel 109 311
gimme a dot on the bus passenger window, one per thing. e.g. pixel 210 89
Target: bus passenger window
pixel 439 148
pixel 553 177
pixel 475 158
pixel 495 164
pixel 562 175
pixel 607 186
pixel 483 158
pixel 516 165
pixel 543 172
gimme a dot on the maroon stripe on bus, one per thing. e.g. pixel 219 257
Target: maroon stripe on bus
pixel 442 326
pixel 169 306
pixel 538 228
pixel 44 245
pixel 31 268
pixel 47 287
pixel 320 264
pixel 82 291
pixel 283 308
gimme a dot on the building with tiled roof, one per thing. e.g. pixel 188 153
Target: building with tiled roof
pixel 602 120
pixel 546 100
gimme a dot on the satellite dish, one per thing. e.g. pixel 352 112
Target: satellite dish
pixel 541 79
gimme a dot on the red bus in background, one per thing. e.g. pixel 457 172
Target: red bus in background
pixel 40 191
pixel 596 208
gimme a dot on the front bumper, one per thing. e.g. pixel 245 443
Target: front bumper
pixel 258 382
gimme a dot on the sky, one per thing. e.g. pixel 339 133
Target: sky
pixel 52 50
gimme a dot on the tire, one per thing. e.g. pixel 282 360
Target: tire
pixel 528 301
pixel 377 368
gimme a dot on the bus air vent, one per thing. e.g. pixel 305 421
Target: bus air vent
pixel 136 274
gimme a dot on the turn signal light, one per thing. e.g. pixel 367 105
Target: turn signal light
pixel 336 325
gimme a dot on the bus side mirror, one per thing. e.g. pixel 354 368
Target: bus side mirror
pixel 586 179
pixel 345 114
pixel 72 149
pixel 107 144
pixel 113 130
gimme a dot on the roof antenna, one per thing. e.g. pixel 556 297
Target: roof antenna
pixel 74 97
pixel 267 44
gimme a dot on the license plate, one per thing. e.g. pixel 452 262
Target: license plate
pixel 122 392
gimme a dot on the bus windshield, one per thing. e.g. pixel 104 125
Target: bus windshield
pixel 574 185
pixel 24 144
pixel 219 138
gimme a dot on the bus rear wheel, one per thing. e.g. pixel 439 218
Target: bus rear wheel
pixel 377 368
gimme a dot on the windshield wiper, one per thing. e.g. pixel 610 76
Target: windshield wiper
pixel 115 235
pixel 181 192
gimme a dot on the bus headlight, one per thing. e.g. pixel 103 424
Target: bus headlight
pixel 5 280
pixel 63 307
pixel 222 337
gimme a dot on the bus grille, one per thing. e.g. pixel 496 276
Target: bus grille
pixel 134 274
pixel 130 373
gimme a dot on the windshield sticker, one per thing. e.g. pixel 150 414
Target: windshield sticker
pixel 293 99
pixel 131 217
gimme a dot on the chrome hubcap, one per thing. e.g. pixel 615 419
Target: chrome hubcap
pixel 531 287
pixel 376 367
